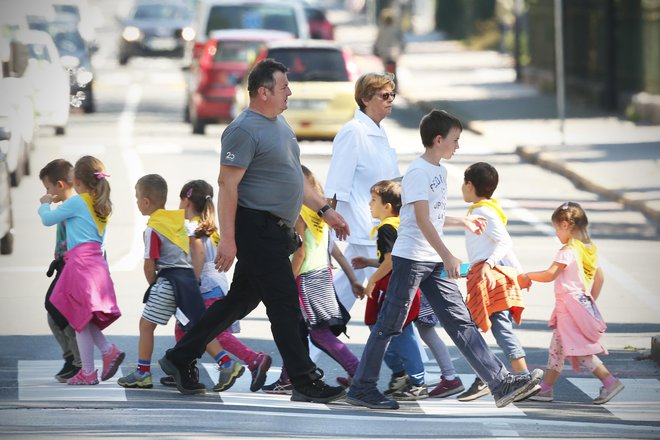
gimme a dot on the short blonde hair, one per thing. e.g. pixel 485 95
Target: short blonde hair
pixel 369 84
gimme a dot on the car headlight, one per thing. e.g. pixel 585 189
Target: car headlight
pixel 131 33
pixel 84 76
pixel 188 33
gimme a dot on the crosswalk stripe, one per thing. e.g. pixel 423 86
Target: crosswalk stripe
pixel 481 407
pixel 36 382
pixel 637 402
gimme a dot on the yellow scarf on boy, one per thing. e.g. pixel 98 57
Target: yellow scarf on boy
pixel 100 223
pixel 492 204
pixel 587 260
pixel 394 221
pixel 171 224
pixel 314 223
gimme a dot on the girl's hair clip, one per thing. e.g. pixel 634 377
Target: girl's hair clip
pixel 208 196
pixel 565 206
pixel 101 175
pixel 189 193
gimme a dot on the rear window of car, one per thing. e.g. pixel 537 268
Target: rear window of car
pixel 159 12
pixel 325 65
pixel 237 51
pixel 279 18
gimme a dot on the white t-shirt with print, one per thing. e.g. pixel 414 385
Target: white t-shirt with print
pixel 422 181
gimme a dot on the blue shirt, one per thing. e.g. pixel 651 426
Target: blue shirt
pixel 80 225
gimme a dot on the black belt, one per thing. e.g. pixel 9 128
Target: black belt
pixel 278 220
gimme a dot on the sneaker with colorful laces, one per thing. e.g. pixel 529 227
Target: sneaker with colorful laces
pixel 447 387
pixel 111 362
pixel 135 379
pixel 258 368
pixel 228 376
pixel 84 378
pixel 412 392
pixel 397 383
pixel 606 395
pixel 278 387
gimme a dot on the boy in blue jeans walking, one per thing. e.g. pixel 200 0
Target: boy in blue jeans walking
pixel 418 257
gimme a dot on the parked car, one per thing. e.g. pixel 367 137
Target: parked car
pixel 17 120
pixel 321 76
pixel 279 15
pixel 221 66
pixel 48 80
pixel 6 214
pixel 155 28
pixel 319 26
pixel 76 57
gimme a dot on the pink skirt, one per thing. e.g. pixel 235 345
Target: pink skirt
pixel 84 292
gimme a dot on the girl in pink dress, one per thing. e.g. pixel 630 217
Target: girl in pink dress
pixel 85 294
pixel 577 323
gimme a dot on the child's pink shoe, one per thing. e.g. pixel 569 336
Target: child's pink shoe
pixel 111 362
pixel 84 378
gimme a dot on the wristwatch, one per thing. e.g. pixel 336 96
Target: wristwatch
pixel 322 211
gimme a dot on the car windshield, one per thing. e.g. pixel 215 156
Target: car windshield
pixel 67 38
pixel 68 9
pixel 325 65
pixel 159 12
pixel 237 51
pixel 279 18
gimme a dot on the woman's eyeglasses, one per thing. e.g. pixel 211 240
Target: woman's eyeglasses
pixel 387 95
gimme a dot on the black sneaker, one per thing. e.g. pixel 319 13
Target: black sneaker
pixel 278 387
pixel 68 370
pixel 477 389
pixel 517 387
pixel 317 391
pixel 186 377
pixel 168 381
pixel 372 399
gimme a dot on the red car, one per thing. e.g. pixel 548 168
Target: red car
pixel 213 77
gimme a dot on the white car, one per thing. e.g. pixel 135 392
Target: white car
pixel 17 120
pixel 48 80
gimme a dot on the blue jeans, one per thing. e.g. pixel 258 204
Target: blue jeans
pixel 502 329
pixel 403 355
pixel 447 302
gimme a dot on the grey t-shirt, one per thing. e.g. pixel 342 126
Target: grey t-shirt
pixel 268 150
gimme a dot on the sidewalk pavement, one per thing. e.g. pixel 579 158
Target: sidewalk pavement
pixel 600 152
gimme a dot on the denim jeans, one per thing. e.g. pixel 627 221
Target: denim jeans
pixel 403 355
pixel 447 302
pixel 502 329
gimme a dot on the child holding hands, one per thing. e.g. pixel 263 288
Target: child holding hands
pixel 84 293
pixel 494 297
pixel 577 323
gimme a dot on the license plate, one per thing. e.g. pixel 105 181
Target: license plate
pixel 162 43
pixel 307 104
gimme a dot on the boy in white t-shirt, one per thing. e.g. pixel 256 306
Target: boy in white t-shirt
pixel 418 258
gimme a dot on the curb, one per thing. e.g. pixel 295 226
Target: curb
pixel 534 156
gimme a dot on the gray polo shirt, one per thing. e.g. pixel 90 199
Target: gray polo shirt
pixel 268 150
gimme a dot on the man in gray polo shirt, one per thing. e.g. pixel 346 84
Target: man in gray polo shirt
pixel 261 192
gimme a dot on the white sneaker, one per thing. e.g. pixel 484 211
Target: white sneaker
pixel 604 396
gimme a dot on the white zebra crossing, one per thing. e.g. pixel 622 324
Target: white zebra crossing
pixel 638 402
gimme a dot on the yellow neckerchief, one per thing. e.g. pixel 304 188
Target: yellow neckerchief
pixel 215 236
pixel 171 224
pixel 492 204
pixel 394 221
pixel 101 223
pixel 587 260
pixel 314 223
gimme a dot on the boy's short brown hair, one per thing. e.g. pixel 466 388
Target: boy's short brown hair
pixel 484 178
pixel 389 192
pixel 437 122
pixel 153 187
pixel 57 170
